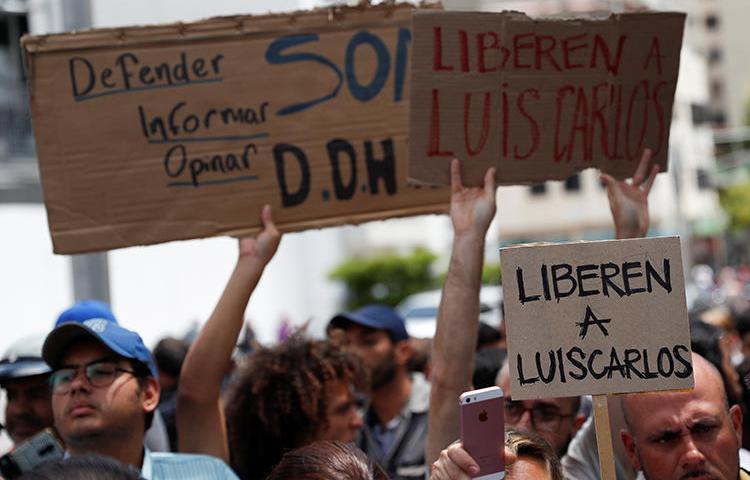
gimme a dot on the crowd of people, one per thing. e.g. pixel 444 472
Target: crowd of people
pixel 366 402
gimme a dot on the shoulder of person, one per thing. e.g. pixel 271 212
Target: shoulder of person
pixel 194 461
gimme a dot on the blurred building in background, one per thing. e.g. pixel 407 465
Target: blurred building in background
pixel 717 30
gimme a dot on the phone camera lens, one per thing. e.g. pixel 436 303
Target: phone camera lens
pixel 468 400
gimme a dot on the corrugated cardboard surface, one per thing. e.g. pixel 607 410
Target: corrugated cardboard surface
pixel 540 99
pixel 316 126
pixel 646 329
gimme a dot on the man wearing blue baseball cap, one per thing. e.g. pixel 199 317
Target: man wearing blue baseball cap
pixel 395 427
pixel 157 438
pixel 104 393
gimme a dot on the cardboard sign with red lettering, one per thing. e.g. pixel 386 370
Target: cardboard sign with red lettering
pixel 596 318
pixel 159 133
pixel 540 98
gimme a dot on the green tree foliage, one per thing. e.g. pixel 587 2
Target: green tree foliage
pixel 735 200
pixel 492 274
pixel 386 278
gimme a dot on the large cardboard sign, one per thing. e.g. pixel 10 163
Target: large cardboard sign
pixel 150 134
pixel 540 99
pixel 596 318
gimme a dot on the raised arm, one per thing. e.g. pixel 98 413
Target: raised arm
pixel 200 417
pixel 628 201
pixel 472 210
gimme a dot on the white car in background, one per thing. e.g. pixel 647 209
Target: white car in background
pixel 420 310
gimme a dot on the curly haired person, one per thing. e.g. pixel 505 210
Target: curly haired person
pixel 289 396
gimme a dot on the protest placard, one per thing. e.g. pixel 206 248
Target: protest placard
pixel 540 98
pixel 150 134
pixel 596 318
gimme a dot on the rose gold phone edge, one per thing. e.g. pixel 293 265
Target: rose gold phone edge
pixel 475 397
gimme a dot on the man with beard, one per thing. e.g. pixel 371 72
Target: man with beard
pixel 685 434
pixel 24 376
pixel 395 427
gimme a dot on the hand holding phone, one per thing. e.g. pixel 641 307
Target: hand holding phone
pixel 483 431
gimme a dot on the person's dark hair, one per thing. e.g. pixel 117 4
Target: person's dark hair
pixel 705 340
pixel 279 399
pixel 742 321
pixel 529 444
pixel 487 362
pixel 743 370
pixel 169 354
pixel 87 467
pixel 326 461
pixel 419 361
pixel 487 336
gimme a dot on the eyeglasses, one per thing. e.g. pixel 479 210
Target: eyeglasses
pixel 99 374
pixel 543 417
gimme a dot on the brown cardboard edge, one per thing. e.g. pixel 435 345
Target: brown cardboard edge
pixel 574 18
pixel 320 19
pixel 575 242
pixel 66 244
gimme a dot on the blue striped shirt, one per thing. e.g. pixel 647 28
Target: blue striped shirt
pixel 184 466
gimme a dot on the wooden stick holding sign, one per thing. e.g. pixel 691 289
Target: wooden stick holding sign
pixel 604 438
pixel 616 319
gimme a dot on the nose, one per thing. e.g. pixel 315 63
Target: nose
pixel 525 423
pixel 692 456
pixel 79 381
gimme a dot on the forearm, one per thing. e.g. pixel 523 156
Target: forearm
pixel 199 424
pixel 457 324
pixel 210 353
pixel 455 340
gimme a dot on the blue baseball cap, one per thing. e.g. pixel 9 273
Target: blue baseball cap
pixel 378 317
pixel 123 342
pixel 85 310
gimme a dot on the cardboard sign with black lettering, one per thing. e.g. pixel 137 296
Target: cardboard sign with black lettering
pixel 151 134
pixel 540 98
pixel 596 318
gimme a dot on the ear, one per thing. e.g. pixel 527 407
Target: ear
pixel 402 352
pixel 629 442
pixel 150 394
pixel 735 415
